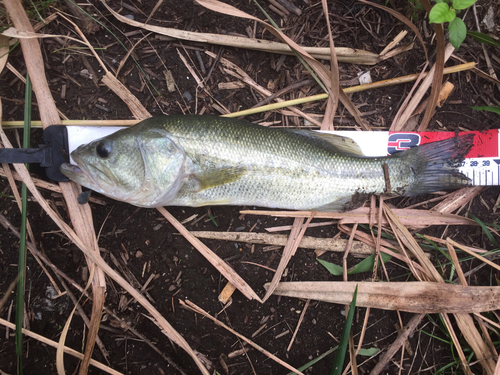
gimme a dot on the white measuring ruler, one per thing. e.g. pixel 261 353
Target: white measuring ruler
pixel 481 164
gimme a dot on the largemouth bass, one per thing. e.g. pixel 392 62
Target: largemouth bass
pixel 201 160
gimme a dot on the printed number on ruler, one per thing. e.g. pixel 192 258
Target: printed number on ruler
pixel 402 141
pixel 482 171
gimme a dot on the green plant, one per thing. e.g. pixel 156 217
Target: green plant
pixel 21 271
pixel 344 338
pixel 446 11
pixel 415 7
pixel 488 108
pixel 483 38
pixel 36 8
pixel 366 265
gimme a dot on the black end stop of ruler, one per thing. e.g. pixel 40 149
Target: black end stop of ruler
pixel 56 137
pixel 50 155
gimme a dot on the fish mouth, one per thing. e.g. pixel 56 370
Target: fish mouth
pixel 73 172
pixel 86 174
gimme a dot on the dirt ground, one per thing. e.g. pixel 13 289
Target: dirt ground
pixel 140 244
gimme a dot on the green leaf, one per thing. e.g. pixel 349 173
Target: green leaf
pixel 441 13
pixel 458 32
pixel 483 38
pixel 344 339
pixel 462 4
pixel 368 352
pixel 331 267
pixel 366 265
pixel 489 108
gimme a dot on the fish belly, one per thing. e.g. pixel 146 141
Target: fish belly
pixel 293 186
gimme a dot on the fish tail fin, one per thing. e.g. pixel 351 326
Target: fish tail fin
pixel 436 164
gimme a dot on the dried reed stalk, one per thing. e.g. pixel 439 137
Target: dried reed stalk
pixel 296 234
pixel 409 217
pixel 54 344
pixel 417 296
pixel 80 216
pixel 190 305
pixel 348 55
pixel 215 260
pixel 307 242
pixel 463 319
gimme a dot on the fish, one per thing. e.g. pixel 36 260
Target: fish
pixel 191 160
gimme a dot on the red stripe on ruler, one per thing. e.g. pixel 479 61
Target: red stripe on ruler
pixel 485 142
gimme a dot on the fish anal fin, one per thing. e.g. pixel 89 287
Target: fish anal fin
pixel 220 202
pixel 338 205
pixel 346 202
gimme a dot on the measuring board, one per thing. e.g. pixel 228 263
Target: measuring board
pixel 481 164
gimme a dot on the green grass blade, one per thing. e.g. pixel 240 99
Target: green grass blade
pixel 435 246
pixel 36 11
pixel 333 268
pixel 366 265
pixel 483 38
pixel 315 360
pixel 375 231
pixel 446 367
pixel 212 218
pixel 21 271
pixel 489 108
pixel 436 337
pixel 485 229
pixel 368 352
pixel 344 339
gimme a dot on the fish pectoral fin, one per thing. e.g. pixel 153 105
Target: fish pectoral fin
pixel 218 177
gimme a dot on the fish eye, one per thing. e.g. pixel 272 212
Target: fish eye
pixel 103 149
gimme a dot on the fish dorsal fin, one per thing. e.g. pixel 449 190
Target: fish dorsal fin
pixel 219 176
pixel 345 145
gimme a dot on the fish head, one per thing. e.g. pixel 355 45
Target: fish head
pixel 143 169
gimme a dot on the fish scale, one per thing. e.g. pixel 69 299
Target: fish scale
pixel 293 170
pixel 201 160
